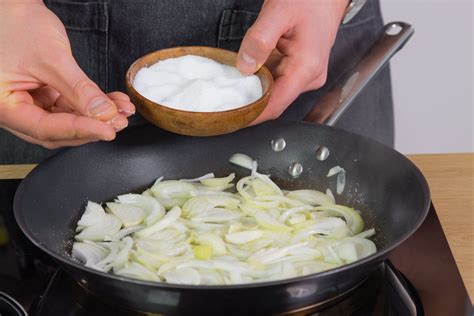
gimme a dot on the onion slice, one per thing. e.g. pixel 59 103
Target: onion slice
pixel 242 160
pixel 88 253
pixel 198 179
pixel 107 226
pixel 169 218
pixel 93 214
pixel 130 215
pixel 243 237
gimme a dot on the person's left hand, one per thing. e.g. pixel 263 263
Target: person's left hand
pixel 294 39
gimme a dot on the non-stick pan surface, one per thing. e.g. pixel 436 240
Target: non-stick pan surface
pixel 389 190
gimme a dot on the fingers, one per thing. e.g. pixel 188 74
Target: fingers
pixel 49 99
pixel 45 97
pixel 32 120
pixel 117 95
pixel 51 144
pixel 72 83
pixel 125 108
pixel 262 38
pixel 120 100
pixel 285 90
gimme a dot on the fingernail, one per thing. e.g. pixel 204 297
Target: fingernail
pixel 126 112
pixel 119 123
pixel 249 64
pixel 99 107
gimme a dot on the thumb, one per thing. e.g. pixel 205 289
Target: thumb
pixel 261 39
pixel 83 95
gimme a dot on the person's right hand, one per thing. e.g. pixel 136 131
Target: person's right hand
pixel 45 98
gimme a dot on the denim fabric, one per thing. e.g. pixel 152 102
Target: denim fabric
pixel 108 35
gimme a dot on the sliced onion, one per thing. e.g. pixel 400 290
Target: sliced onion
pixel 215 264
pixel 330 195
pixel 213 240
pixel 340 182
pixel 290 212
pixel 271 255
pixel 311 197
pixel 147 192
pixel 254 167
pixel 267 179
pixel 106 263
pixel 203 177
pixel 352 218
pixel 268 222
pixel 93 214
pixel 202 204
pixel 243 237
pixel 330 226
pixel 297 219
pixel 237 252
pixel 130 215
pixel 183 276
pixel 333 171
pixel 262 188
pixel 138 271
pixel 123 232
pixel 213 236
pixel 172 192
pixel 154 210
pixel 366 234
pixel 242 160
pixel 256 245
pixel 88 253
pixel 170 217
pixel 218 182
pixel 123 256
pixel 217 216
pixel 218 190
pixel 167 234
pixel 107 226
pixel 209 277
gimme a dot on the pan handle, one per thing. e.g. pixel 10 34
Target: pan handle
pixel 334 103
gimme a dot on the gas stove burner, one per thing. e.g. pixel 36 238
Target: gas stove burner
pixel 385 291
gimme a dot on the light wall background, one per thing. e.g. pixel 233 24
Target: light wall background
pixel 432 76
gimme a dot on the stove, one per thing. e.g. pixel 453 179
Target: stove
pixel 421 277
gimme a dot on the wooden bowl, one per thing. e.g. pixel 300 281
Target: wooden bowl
pixel 197 123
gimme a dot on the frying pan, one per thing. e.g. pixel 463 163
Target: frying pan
pixel 391 192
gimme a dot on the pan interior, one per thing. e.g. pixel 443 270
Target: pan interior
pixel 381 183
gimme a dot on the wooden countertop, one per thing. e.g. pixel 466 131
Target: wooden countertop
pixel 451 181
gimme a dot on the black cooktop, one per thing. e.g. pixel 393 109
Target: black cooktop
pixel 386 292
pixel 420 278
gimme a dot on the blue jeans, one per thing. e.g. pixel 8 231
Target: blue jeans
pixel 108 35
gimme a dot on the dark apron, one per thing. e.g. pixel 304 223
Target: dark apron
pixel 107 36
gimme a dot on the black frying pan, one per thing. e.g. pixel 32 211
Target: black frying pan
pixel 384 184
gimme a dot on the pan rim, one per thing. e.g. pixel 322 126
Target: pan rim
pixel 169 286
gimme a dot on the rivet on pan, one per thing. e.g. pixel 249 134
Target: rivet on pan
pixel 83 281
pixel 322 153
pixel 295 169
pixel 278 144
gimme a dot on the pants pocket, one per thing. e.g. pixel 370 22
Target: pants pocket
pixel 87 28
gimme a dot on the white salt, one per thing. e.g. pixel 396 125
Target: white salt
pixel 198 84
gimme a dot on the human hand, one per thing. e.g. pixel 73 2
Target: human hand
pixel 45 98
pixel 294 39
